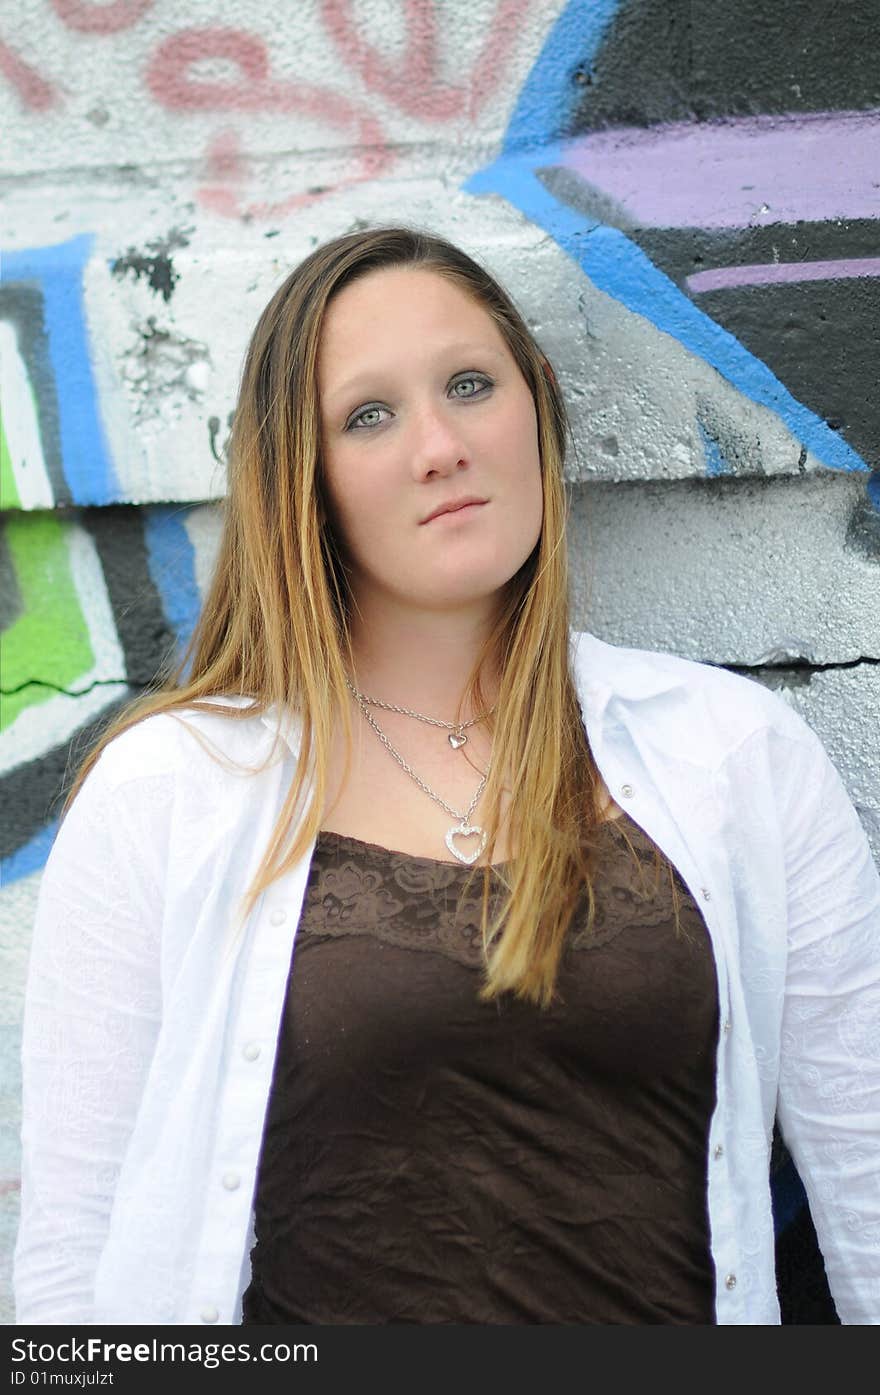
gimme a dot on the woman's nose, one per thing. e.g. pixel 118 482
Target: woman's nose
pixel 437 445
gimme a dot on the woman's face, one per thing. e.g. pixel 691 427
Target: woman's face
pixel 422 405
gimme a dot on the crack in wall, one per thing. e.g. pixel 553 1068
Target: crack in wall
pixel 66 692
pixel 795 675
pixel 798 674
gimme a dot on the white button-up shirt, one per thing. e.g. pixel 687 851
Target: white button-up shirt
pixel 152 1010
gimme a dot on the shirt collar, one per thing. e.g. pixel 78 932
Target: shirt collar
pixel 607 670
pixel 281 720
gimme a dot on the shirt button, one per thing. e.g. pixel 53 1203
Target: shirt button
pixel 251 1050
pixel 627 791
pixel 707 895
pixel 718 1151
pixel 231 1181
pixel 278 917
pixel 209 1314
pixel 726 1025
pixel 730 1281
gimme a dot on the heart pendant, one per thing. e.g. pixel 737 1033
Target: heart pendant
pixel 466 830
pixel 456 739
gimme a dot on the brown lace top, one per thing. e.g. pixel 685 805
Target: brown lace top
pixel 428 1158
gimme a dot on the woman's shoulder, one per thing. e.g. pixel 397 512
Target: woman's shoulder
pixel 228 730
pixel 691 696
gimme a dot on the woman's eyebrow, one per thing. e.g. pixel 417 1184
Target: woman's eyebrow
pixel 369 378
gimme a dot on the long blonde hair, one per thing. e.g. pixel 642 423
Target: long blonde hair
pixel 275 624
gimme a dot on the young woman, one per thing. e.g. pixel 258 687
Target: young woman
pixel 409 957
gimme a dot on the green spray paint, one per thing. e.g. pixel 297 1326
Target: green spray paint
pixel 47 647
pixel 9 497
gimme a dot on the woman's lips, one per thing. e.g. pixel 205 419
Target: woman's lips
pixel 460 512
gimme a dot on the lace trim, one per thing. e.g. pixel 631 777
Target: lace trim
pixel 418 903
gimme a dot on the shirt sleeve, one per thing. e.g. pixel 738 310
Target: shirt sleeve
pixel 91 1019
pixel 829 1089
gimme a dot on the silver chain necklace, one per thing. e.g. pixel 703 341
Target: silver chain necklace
pixel 464 828
pixel 456 737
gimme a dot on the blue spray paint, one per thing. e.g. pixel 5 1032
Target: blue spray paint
pixel 550 94
pixel 30 857
pixel 616 265
pixel 171 560
pixel 612 261
pixel 715 463
pixel 56 272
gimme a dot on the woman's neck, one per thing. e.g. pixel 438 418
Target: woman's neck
pixel 421 662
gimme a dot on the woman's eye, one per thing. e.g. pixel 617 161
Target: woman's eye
pixel 471 386
pixel 366 417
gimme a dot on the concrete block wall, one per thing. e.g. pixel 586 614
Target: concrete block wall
pixel 682 195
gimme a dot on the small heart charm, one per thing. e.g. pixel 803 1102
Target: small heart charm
pixel 456 739
pixel 466 830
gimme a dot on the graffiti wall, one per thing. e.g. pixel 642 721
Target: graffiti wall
pixel 683 200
